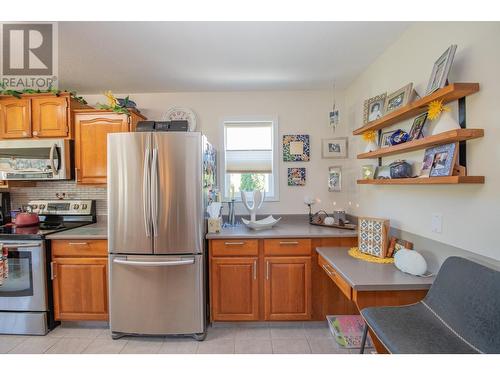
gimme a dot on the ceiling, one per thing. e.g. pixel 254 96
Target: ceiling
pixel 132 57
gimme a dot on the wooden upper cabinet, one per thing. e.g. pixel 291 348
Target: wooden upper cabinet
pixel 15 118
pixel 235 288
pixel 80 288
pixel 91 131
pixel 50 117
pixel 287 288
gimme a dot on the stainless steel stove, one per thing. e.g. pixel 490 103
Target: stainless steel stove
pixel 26 305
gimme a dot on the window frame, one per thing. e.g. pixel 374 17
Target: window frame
pixel 224 178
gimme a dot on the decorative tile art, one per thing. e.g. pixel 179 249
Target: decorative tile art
pixel 372 238
pixel 296 176
pixel 296 148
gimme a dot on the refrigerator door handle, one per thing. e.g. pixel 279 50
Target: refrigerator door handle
pixel 154 191
pixel 146 191
pixel 154 264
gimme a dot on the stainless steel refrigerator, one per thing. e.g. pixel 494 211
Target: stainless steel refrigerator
pixel 157 187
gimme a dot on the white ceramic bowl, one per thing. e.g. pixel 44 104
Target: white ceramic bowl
pixel 266 223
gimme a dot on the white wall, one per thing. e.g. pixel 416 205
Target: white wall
pixel 471 213
pixel 298 112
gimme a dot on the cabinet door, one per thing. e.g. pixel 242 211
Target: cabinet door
pixel 50 116
pixel 234 288
pixel 15 118
pixel 80 288
pixel 91 145
pixel 287 288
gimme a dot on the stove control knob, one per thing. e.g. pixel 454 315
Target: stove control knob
pixel 42 206
pixel 76 206
pixel 34 206
pixel 84 206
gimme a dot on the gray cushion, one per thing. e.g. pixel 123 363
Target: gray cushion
pixel 412 330
pixel 460 314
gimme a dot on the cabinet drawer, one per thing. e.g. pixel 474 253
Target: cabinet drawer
pixel 79 248
pixel 335 277
pixel 234 247
pixel 287 246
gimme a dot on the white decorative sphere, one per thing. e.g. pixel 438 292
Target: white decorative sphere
pixel 410 261
pixel 329 220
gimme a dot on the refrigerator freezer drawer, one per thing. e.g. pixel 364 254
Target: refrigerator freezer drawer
pixel 157 295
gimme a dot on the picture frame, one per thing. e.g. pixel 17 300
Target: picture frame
pixel 296 176
pixel 396 244
pixel 416 130
pixel 383 172
pixel 398 98
pixel 374 108
pixel 441 69
pixel 367 172
pixel 443 165
pixel 385 139
pixel 335 178
pixel 444 160
pixel 334 148
pixel 296 147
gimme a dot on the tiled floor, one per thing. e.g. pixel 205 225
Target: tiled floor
pixel 262 338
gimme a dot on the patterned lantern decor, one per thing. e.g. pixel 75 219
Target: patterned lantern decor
pixel 373 236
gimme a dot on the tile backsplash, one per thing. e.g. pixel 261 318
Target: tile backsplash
pixel 48 190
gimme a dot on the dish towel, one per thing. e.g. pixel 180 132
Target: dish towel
pixel 4 264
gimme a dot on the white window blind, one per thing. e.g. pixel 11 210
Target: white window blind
pixel 249 147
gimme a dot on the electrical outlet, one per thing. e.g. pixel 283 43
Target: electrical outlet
pixel 437 223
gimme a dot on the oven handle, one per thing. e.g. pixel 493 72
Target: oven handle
pixel 154 264
pixel 18 245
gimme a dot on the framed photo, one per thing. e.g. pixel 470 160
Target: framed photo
pixel 385 139
pixel 441 69
pixel 397 244
pixel 383 172
pixel 444 160
pixel 398 98
pixel 335 178
pixel 296 176
pixel 439 160
pixel 374 108
pixel 334 148
pixel 296 148
pixel 367 172
pixel 417 127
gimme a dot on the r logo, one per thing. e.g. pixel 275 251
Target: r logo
pixel 27 49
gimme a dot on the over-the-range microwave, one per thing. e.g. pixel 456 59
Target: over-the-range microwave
pixel 35 160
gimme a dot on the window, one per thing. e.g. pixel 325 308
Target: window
pixel 250 157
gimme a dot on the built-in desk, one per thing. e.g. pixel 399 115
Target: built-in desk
pixel 371 284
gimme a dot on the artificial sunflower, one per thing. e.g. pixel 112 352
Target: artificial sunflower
pixel 435 109
pixel 113 102
pixel 369 136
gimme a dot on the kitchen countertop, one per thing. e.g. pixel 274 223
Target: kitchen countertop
pixel 295 226
pixel 365 276
pixel 95 231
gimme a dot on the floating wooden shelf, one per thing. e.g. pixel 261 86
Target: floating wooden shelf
pixel 447 94
pixel 450 136
pixel 447 180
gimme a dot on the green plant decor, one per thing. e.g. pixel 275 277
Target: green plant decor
pixel 50 90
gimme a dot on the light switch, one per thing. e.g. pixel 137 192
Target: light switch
pixel 437 223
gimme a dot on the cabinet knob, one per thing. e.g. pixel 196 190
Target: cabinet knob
pixel 35 133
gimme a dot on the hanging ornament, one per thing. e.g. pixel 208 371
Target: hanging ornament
pixel 334 114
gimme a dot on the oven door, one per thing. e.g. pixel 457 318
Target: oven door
pixel 47 159
pixel 24 289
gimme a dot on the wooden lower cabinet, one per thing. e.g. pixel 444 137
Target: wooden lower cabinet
pixel 287 288
pixel 235 288
pixel 80 280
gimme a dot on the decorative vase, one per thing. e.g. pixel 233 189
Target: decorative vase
pixel 371 146
pixel 444 123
